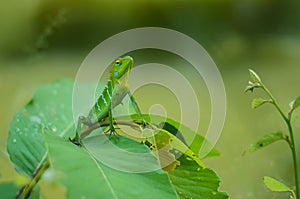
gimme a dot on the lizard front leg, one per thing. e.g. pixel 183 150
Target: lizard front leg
pixel 137 109
pixel 82 120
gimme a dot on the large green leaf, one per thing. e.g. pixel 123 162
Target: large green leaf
pixel 121 153
pixel 192 139
pixel 192 181
pixel 171 137
pixel 86 177
pixel 50 110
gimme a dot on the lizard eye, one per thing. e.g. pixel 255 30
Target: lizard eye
pixel 117 63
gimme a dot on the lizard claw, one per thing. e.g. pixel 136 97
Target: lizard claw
pixel 73 140
pixel 112 134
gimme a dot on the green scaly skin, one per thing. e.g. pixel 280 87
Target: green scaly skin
pixel 114 92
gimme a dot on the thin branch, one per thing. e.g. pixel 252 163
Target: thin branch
pixel 26 190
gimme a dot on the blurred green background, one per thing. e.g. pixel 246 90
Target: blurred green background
pixel 44 40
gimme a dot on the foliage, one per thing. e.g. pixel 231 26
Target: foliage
pixel 39 142
pixel 271 183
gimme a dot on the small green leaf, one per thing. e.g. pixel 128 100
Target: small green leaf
pixel 251 86
pixel 254 83
pixel 257 102
pixel 275 185
pixel 254 77
pixel 265 141
pixel 294 104
pixel 138 157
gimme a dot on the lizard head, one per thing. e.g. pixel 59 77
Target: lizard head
pixel 120 67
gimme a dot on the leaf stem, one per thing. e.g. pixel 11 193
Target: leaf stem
pixel 26 190
pixel 274 102
pixel 291 141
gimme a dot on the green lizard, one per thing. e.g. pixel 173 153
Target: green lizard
pixel 112 95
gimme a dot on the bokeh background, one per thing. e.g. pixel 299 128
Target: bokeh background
pixel 41 41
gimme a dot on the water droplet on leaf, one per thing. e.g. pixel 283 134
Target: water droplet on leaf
pixel 35 118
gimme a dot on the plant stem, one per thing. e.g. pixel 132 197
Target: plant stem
pixel 275 103
pixel 291 141
pixel 105 123
pixel 293 194
pixel 293 148
pixel 26 190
